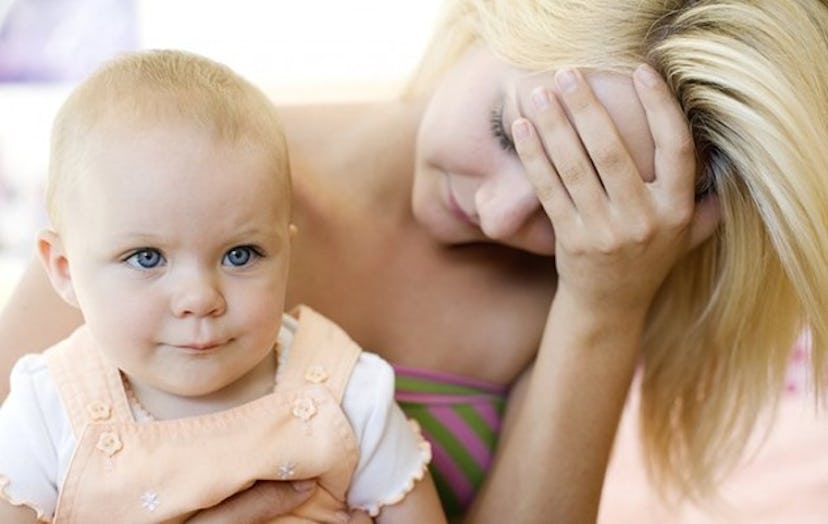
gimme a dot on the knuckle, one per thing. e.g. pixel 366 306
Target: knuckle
pixel 572 241
pixel 681 215
pixel 545 192
pixel 574 248
pixel 608 242
pixel 643 231
pixel 571 173
pixel 608 157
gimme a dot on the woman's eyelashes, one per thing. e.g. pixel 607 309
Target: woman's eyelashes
pixel 499 130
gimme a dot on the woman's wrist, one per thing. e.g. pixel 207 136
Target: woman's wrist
pixel 598 315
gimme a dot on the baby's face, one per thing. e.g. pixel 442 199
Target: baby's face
pixel 178 246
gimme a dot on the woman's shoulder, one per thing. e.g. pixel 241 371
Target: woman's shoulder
pixel 314 128
pixel 326 141
pixel 295 118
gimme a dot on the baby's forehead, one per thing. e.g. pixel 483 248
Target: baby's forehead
pixel 116 152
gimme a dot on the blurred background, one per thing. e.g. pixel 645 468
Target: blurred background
pixel 298 51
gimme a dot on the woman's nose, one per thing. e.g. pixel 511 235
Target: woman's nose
pixel 198 295
pixel 504 204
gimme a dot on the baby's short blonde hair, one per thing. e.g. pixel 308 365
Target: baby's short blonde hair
pixel 158 87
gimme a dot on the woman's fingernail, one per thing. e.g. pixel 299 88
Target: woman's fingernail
pixel 540 98
pixel 566 80
pixel 520 129
pixel 647 75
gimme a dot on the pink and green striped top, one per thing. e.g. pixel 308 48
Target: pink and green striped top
pixel 461 418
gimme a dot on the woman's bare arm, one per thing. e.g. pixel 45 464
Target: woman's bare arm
pixel 561 421
pixel 420 505
pixel 33 318
pixel 617 236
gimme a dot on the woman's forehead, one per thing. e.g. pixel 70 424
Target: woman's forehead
pixel 616 93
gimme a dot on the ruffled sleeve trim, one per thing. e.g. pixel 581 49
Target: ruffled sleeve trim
pixel 4 483
pixel 425 459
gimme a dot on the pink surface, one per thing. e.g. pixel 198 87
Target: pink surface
pixel 786 482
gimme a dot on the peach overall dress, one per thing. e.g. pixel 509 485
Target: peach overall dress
pixel 164 471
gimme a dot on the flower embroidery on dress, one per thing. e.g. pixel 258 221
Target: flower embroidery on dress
pixel 316 374
pixel 109 443
pixel 304 408
pixel 287 471
pixel 150 500
pixel 98 410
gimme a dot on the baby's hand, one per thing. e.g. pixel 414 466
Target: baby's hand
pixel 617 235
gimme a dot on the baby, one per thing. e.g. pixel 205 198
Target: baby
pixel 169 193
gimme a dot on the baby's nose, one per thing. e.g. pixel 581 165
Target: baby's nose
pixel 198 296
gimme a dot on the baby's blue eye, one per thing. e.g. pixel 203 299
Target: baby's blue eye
pixel 146 259
pixel 239 256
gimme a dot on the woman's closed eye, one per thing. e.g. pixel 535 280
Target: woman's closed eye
pixel 499 130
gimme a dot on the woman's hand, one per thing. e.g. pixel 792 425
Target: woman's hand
pixel 262 502
pixel 617 235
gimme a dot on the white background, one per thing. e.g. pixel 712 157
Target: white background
pixel 296 50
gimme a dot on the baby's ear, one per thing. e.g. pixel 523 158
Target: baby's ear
pixel 53 255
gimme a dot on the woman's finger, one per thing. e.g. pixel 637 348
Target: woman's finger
pixel 552 194
pixel 675 154
pixel 613 165
pixel 565 150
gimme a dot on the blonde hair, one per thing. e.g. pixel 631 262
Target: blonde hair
pixel 156 87
pixel 752 78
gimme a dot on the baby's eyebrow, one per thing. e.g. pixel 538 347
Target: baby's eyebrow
pixel 138 237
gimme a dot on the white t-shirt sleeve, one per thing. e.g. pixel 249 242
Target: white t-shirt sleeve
pixel 34 433
pixel 393 454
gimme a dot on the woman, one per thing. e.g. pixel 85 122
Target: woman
pixel 426 231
